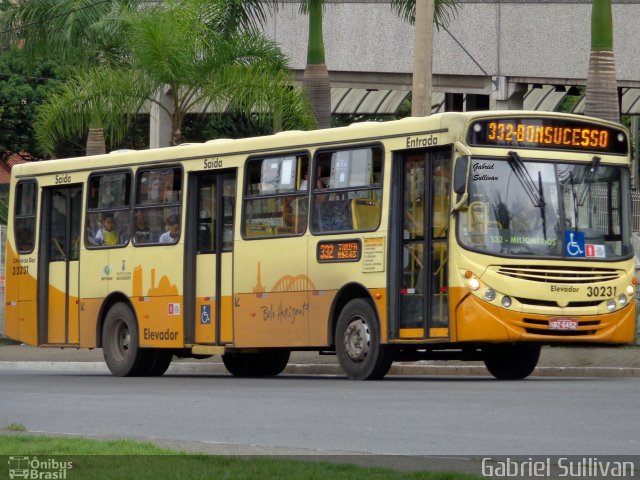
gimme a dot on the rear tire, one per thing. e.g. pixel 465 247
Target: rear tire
pixel 120 345
pixel 267 363
pixel 357 338
pixel 511 362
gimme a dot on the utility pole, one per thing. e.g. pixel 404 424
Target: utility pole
pixel 422 59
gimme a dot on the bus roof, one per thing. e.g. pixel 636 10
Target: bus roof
pixel 360 132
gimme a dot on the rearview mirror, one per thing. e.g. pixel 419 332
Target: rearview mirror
pixel 460 175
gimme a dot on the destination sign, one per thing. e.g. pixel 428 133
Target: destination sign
pixel 548 133
pixel 339 251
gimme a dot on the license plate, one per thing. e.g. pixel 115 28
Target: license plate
pixel 563 324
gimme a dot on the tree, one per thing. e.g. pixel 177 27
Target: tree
pixel 186 46
pixel 316 75
pixel 22 91
pixel 177 46
pixel 424 14
pixel 601 98
pixel 71 31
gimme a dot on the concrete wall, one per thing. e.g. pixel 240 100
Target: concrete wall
pixel 533 42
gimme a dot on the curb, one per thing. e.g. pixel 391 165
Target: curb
pixel 328 369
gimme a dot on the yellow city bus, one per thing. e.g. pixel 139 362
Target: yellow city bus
pixel 474 236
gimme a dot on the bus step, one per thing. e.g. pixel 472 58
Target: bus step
pixel 207 350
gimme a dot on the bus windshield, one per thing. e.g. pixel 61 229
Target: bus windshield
pixel 542 209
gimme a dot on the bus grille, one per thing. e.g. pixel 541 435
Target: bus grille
pixel 556 274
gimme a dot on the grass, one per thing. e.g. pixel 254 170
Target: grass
pixel 16 427
pixel 7 341
pixel 116 459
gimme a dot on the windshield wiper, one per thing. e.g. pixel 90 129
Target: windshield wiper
pixel 522 174
pixel 543 213
pixel 589 175
pixel 575 200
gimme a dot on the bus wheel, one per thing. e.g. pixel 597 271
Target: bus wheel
pixel 262 364
pixel 511 362
pixel 120 343
pixel 360 354
pixel 159 362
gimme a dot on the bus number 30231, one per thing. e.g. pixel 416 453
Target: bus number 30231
pixel 20 270
pixel 601 291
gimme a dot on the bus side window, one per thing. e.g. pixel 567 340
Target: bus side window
pixel 107 222
pixel 348 198
pixel 157 206
pixel 276 196
pixel 24 223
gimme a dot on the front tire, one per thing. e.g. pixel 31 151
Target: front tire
pixel 357 337
pixel 267 363
pixel 120 343
pixel 511 362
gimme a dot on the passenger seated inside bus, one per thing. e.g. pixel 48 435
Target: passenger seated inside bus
pixel 108 232
pixel 173 230
pixel 141 229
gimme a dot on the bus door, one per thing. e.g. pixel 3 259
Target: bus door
pixel 209 258
pixel 421 230
pixel 58 266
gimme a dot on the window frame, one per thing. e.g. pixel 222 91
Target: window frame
pixel 90 211
pixel 300 194
pixel 17 216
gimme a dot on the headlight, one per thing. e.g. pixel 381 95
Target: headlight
pixel 506 301
pixel 490 294
pixel 474 283
pixel 630 290
pixel 611 304
pixel 622 299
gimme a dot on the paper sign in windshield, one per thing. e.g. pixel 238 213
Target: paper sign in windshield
pixel 592 250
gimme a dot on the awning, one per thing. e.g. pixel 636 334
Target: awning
pixel 363 101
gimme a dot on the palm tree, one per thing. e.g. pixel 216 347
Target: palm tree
pixel 422 59
pixel 69 31
pixel 316 76
pixel 204 51
pixel 424 14
pixel 179 46
pixel 601 98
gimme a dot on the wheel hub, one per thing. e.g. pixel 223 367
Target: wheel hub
pixel 357 339
pixel 124 339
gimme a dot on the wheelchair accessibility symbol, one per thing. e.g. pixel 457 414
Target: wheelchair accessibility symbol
pixel 205 314
pixel 573 243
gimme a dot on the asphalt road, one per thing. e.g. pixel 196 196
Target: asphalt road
pixel 300 414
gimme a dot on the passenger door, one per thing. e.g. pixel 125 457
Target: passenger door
pixel 209 258
pixel 58 266
pixel 421 231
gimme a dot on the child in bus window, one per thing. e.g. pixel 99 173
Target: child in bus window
pixel 107 234
pixel 171 235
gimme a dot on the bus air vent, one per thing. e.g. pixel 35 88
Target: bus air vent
pixel 552 303
pixel 557 274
